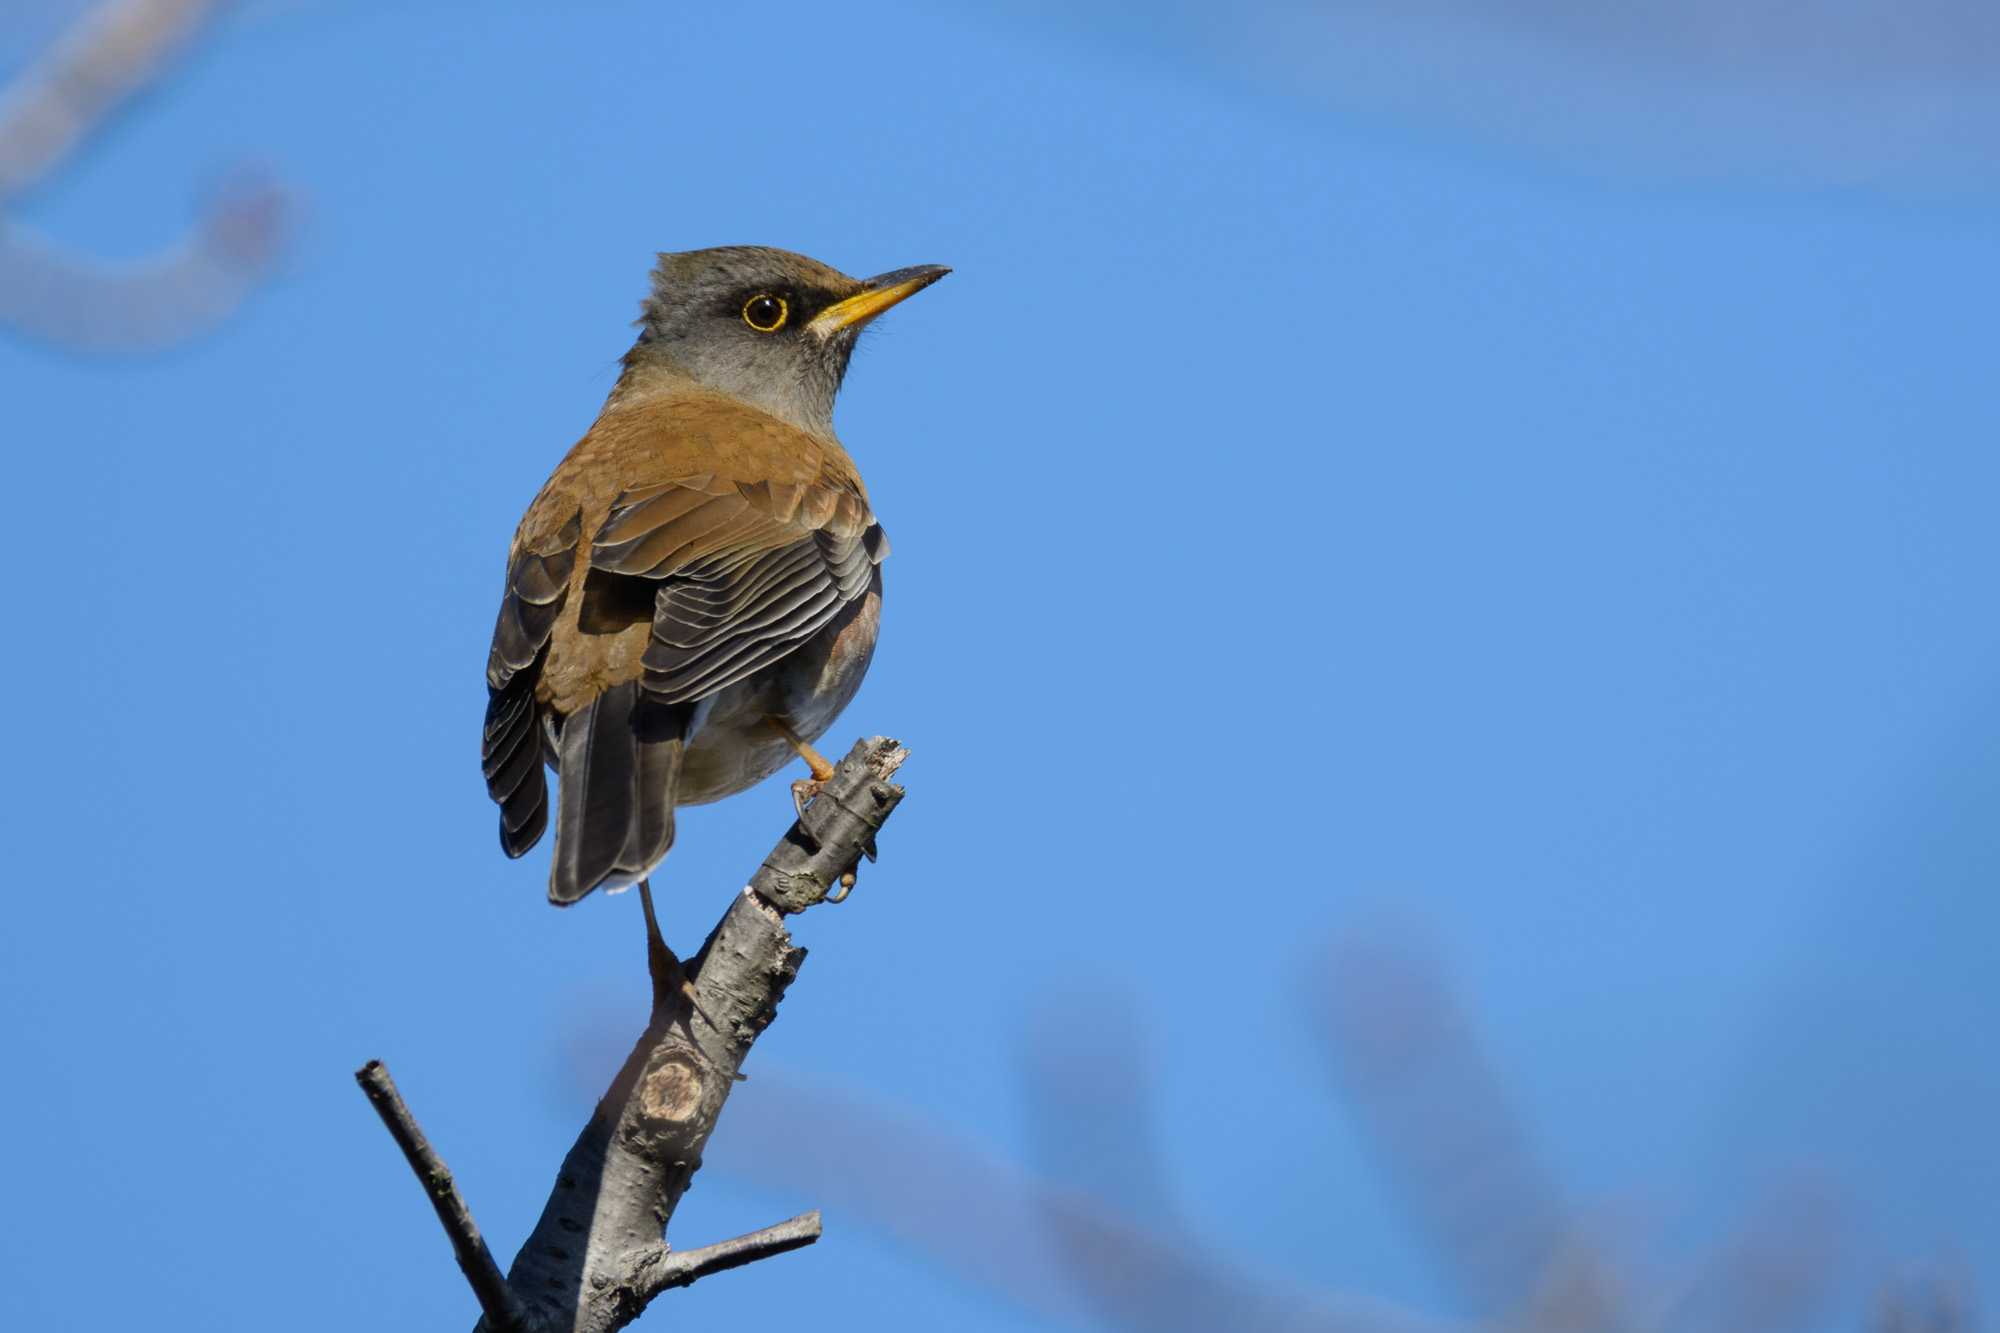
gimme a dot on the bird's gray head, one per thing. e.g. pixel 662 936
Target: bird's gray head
pixel 767 326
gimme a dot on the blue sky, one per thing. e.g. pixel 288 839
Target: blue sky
pixel 1376 528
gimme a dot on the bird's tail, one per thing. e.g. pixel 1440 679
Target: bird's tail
pixel 618 763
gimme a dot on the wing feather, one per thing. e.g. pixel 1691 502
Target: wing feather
pixel 746 573
pixel 511 751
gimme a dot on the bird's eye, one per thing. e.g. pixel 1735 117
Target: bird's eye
pixel 766 313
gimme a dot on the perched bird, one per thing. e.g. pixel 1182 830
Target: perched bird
pixel 694 595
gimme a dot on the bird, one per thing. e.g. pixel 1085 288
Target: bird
pixel 695 593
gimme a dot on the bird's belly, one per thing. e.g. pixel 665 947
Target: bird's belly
pixel 734 748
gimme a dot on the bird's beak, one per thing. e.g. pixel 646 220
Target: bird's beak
pixel 876 295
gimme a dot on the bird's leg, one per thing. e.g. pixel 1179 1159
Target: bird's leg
pixel 805 788
pixel 663 964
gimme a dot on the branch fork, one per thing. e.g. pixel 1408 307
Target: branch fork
pixel 598 1255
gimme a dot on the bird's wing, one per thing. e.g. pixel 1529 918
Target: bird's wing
pixel 745 572
pixel 538 580
pixel 537 586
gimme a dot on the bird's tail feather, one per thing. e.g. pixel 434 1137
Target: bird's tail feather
pixel 619 761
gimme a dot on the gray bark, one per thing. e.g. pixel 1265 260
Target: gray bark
pixel 599 1255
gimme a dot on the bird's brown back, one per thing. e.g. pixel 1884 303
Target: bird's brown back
pixel 740 480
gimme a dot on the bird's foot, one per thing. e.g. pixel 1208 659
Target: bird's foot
pixel 806 789
pixel 803 792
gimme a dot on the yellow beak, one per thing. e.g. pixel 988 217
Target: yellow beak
pixel 878 295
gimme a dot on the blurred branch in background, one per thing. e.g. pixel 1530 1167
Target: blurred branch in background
pixel 1432 1106
pixel 116 50
pixel 1094 1237
pixel 46 116
pixel 1898 92
pixel 1870 41
pixel 1405 1053
pixel 1057 1252
pixel 1930 1302
pixel 1777 1274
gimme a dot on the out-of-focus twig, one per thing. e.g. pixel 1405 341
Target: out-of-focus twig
pixel 1093 1237
pixel 1092 1112
pixel 1891 93
pixel 117 49
pixel 1859 42
pixel 1090 1102
pixel 1423 1090
pixel 144 304
pixel 1020 1236
pixel 46 116
pixel 1930 1301
pixel 1777 1274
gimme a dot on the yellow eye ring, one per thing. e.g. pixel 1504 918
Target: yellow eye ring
pixel 766 313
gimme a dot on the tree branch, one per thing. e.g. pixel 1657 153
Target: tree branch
pixel 503 1310
pixel 598 1254
pixel 687 1267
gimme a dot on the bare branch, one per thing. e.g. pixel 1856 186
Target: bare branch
pixel 503 1310
pixel 680 1268
pixel 836 830
pixel 598 1254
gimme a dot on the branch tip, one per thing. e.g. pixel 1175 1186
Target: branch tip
pixel 503 1309
pixel 681 1268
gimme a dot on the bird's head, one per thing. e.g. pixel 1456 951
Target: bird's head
pixel 770 327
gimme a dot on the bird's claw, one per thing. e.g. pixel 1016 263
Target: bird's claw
pixel 846 887
pixel 803 792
